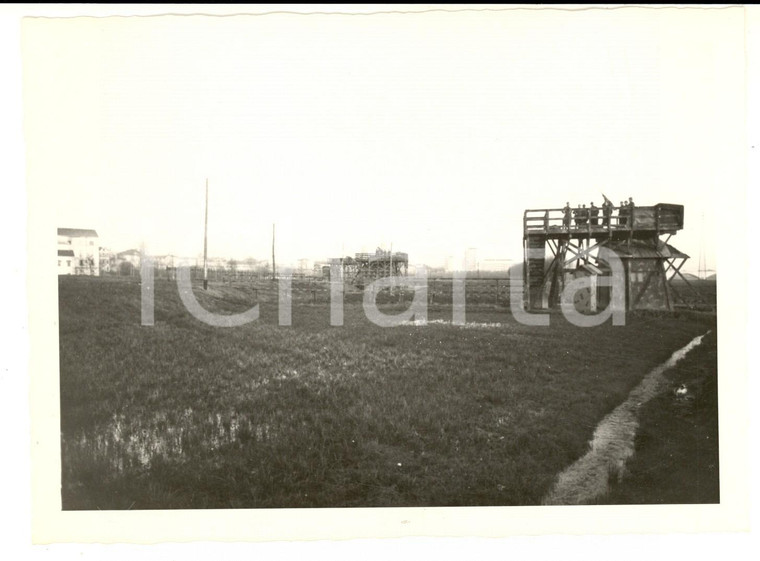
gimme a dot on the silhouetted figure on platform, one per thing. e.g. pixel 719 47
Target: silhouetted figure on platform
pixel 607 207
pixel 594 213
pixel 622 214
pixel 581 215
pixel 567 215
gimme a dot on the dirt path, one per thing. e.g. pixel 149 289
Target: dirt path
pixel 613 442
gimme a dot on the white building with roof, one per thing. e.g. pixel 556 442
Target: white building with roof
pixel 78 252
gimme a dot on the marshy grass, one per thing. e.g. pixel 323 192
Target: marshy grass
pixel 184 415
pixel 676 457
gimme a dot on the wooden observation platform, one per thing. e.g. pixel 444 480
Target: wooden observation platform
pixel 561 245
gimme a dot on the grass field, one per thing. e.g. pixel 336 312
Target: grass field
pixel 184 415
pixel 677 458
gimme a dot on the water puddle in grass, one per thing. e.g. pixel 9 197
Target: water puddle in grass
pixel 124 444
pixel 613 442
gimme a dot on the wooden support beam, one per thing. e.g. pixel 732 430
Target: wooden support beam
pixel 694 290
pixel 557 276
pixel 677 270
pixel 526 271
pixel 586 252
pixel 666 286
pixel 577 251
pixel 551 267
pixel 643 289
pixel 553 247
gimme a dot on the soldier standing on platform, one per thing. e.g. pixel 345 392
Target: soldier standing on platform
pixel 583 215
pixel 606 211
pixel 566 217
pixel 594 213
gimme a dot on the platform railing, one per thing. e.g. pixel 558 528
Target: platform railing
pixel 554 221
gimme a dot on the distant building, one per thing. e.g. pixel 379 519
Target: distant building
pixel 496 265
pixel 66 259
pixel 107 260
pixel 78 252
pixel 249 264
pixel 303 266
pixel 164 261
pixel 471 259
pixel 434 271
pixel 245 266
pixel 321 269
pixel 127 261
pixel 217 263
pixel 130 255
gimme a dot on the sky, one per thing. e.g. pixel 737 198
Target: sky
pixel 429 132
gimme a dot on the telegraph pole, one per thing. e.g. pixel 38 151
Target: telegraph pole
pixel 274 264
pixel 390 263
pixel 205 243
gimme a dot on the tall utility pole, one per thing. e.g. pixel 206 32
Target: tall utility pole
pixel 274 263
pixel 205 243
pixel 390 263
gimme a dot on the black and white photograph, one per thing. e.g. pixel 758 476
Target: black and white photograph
pixel 401 264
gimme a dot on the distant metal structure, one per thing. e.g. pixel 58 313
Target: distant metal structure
pixel 561 245
pixel 364 268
